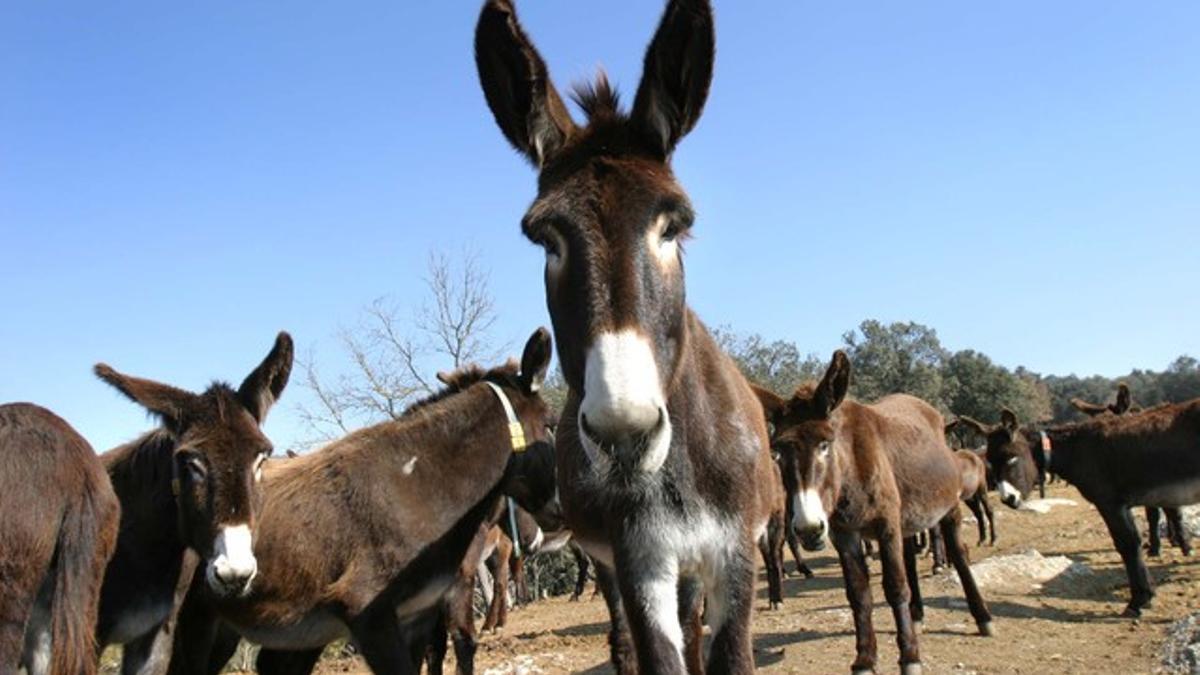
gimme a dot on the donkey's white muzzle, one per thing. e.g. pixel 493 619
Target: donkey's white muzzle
pixel 233 565
pixel 623 414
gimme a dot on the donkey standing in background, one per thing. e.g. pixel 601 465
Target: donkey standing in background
pixel 191 484
pixel 661 444
pixel 370 532
pixel 882 471
pixel 1116 462
pixel 58 530
pixel 1176 532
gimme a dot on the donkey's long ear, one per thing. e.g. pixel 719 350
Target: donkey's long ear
pixel 535 360
pixel 1124 399
pixel 517 85
pixel 1086 408
pixel 262 387
pixel 974 425
pixel 1008 420
pixel 773 404
pixel 169 404
pixel 676 75
pixel 832 389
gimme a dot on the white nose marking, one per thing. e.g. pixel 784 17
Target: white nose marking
pixel 1008 492
pixel 621 395
pixel 623 402
pixel 807 510
pixel 233 555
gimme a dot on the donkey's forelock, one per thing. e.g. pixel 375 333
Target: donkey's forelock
pixel 598 99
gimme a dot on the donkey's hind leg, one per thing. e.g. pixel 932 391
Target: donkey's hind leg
pixel 915 604
pixel 770 544
pixel 1154 520
pixel 976 506
pixel 957 552
pixel 1177 532
pixel 794 546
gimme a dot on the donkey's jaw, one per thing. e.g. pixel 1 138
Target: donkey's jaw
pixel 623 416
pixel 233 566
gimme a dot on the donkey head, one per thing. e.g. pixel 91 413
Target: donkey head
pixel 530 476
pixel 219 451
pixel 804 439
pixel 1009 456
pixel 611 217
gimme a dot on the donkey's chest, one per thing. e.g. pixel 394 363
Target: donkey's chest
pixel 696 544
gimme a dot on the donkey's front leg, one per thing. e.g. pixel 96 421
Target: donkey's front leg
pixel 856 578
pixel 650 590
pixel 620 642
pixel 895 588
pixel 730 603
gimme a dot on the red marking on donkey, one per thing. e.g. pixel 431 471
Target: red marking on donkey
pixel 58 530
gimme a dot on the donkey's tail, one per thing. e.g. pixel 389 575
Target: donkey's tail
pixel 85 543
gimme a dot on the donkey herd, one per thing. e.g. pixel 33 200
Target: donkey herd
pixel 665 466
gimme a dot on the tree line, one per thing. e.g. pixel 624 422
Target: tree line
pixel 908 357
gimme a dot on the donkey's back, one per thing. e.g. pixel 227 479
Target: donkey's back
pixel 57 534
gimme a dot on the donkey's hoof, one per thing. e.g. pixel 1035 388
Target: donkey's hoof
pixel 862 671
pixel 910 669
pixel 987 629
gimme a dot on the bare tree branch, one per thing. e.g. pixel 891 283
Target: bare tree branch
pixel 392 352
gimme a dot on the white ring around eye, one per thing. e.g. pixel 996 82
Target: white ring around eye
pixel 556 254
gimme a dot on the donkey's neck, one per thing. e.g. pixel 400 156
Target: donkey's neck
pixel 146 563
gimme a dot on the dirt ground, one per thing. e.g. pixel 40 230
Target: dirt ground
pixel 1067 624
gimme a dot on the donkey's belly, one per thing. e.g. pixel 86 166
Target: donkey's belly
pixel 314 631
pixel 140 617
pixel 1184 493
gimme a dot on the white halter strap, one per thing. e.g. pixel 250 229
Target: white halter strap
pixel 516 431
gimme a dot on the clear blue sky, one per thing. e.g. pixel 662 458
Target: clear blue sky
pixel 178 183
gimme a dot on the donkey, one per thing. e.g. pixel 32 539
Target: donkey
pixel 370 531
pixel 191 484
pixel 661 445
pixel 1116 462
pixel 881 471
pixel 57 533
pixel 1176 532
pixel 974 472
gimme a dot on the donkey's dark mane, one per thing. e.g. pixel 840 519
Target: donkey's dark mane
pixel 598 99
pixel 463 378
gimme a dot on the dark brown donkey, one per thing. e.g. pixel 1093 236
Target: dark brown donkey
pixel 191 484
pixel 1151 458
pixel 881 471
pixel 58 526
pixel 1176 532
pixel 371 530
pixel 661 444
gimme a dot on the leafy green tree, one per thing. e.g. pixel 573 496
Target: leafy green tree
pixel 894 358
pixel 777 365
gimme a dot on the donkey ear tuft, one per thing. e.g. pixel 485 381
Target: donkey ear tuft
pixel 1008 419
pixel 169 404
pixel 833 387
pixel 676 74
pixel 517 86
pixel 773 404
pixel 264 385
pixel 444 377
pixel 535 360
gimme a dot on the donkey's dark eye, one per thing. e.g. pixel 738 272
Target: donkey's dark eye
pixel 194 466
pixel 672 232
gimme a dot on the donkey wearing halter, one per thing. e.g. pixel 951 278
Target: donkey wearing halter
pixel 369 532
pixel 1151 458
pixel 881 471
pixel 1176 532
pixel 661 444
pixel 192 484
pixel 58 531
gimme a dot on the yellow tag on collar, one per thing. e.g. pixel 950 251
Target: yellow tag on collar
pixel 517 433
